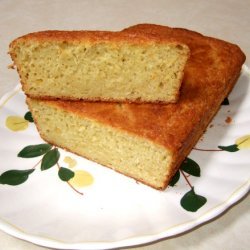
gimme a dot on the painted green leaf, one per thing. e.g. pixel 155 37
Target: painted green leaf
pixel 192 201
pixel 225 102
pixel 34 150
pixel 50 159
pixel 15 177
pixel 28 117
pixel 65 174
pixel 231 148
pixel 175 179
pixel 191 167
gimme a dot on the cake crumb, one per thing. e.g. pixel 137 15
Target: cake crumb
pixel 228 120
pixel 11 66
pixel 211 125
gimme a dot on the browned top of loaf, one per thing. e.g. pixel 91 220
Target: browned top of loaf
pixel 210 73
pixel 94 37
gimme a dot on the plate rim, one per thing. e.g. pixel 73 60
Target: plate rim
pixel 240 193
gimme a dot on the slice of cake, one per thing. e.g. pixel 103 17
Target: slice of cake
pixel 147 141
pixel 106 66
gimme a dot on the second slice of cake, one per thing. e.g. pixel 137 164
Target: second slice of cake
pixel 95 65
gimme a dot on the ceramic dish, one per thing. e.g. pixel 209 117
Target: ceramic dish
pixel 103 209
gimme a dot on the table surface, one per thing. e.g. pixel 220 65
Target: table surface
pixel 225 19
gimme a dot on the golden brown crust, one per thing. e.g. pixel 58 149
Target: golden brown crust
pixel 93 37
pixel 137 100
pixel 210 74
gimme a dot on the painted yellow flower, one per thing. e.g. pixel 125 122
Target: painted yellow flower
pixel 81 179
pixel 16 123
pixel 243 142
pixel 70 161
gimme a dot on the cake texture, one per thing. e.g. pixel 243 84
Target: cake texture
pixel 147 142
pixel 98 65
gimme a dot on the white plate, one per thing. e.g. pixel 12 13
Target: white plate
pixel 115 211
